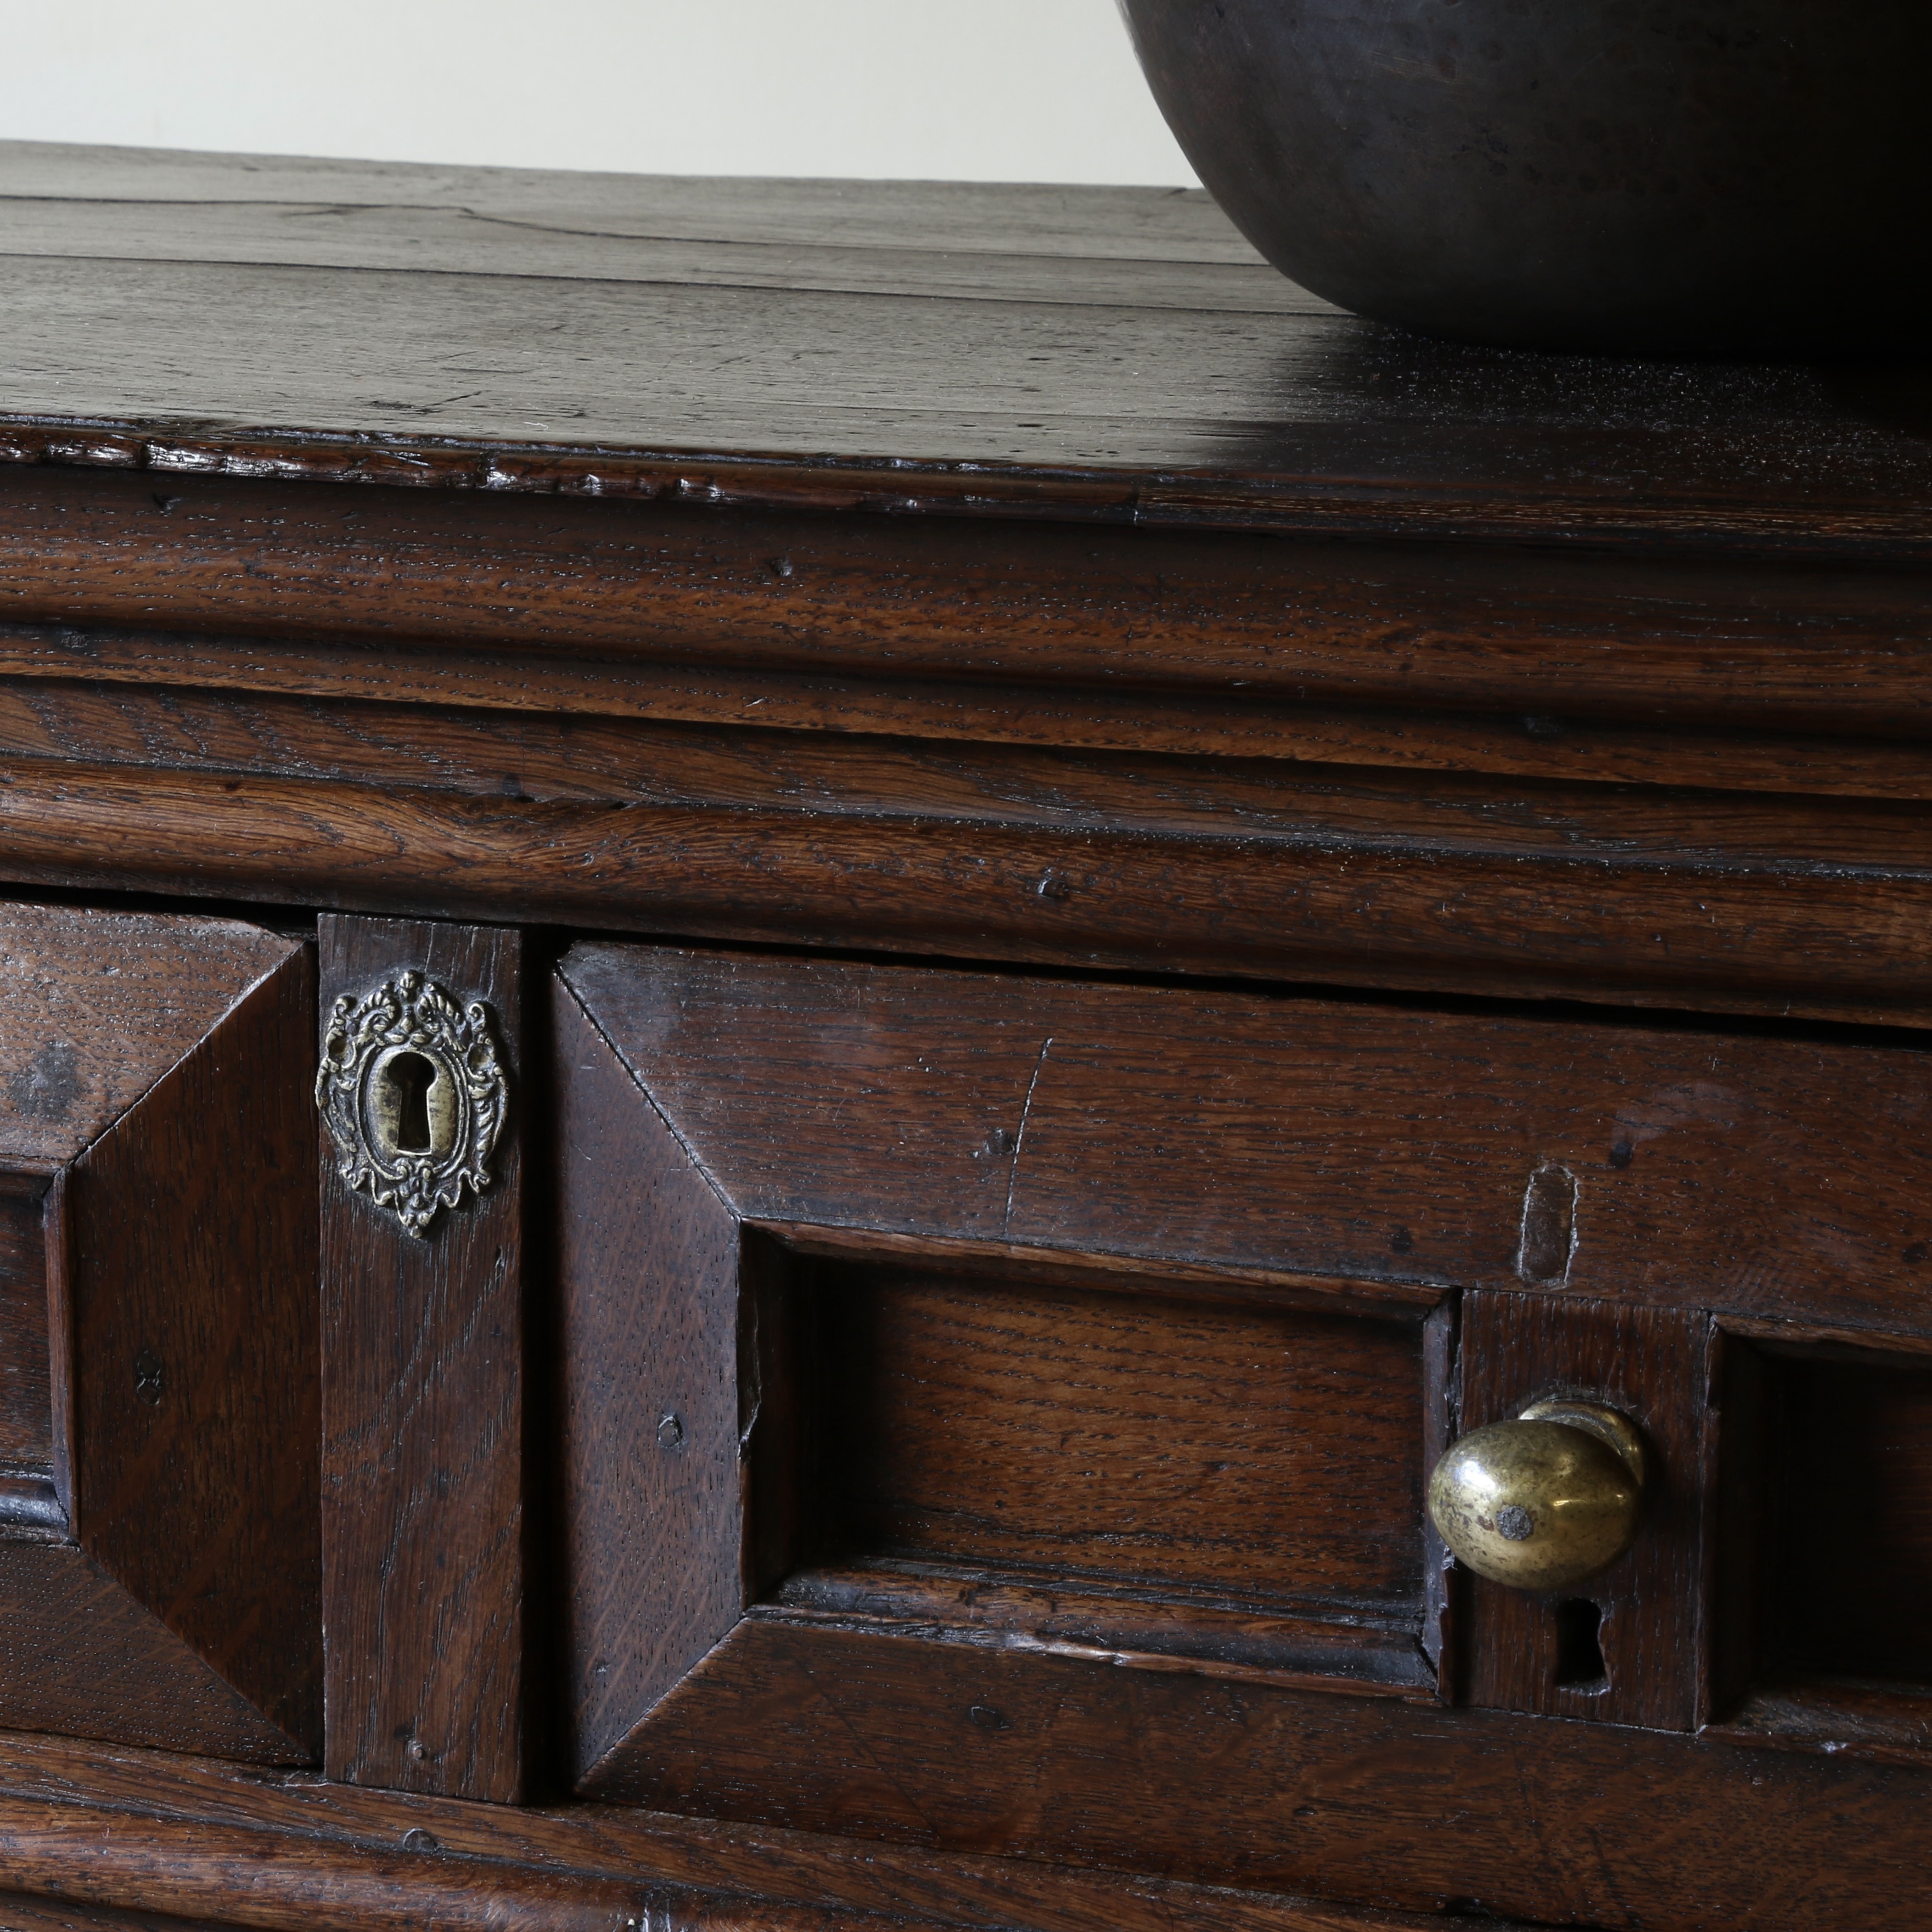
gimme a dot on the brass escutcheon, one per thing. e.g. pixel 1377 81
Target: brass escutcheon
pixel 413 1090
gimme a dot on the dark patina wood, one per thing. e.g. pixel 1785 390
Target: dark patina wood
pixel 423 1471
pixel 159 1557
pixel 976 1405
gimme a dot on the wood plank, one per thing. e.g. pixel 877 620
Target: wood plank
pixel 540 758
pixel 1833 943
pixel 135 705
pixel 166 1833
pixel 724 587
pixel 95 1005
pixel 1773 1176
pixel 423 1470
pixel 1045 219
pixel 191 1290
pixel 1182 416
pixel 1417 1808
pixel 19 1913
pixel 457 241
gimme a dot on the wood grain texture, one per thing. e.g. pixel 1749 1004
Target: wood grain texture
pixel 1288 418
pixel 191 1291
pixel 423 1393
pixel 1886 1724
pixel 152 698
pixel 1788 940
pixel 137 1830
pixel 648 1287
pixel 161 1585
pixel 97 1004
pixel 1810 648
pixel 1648 1364
pixel 1046 219
pixel 1377 1800
pixel 464 240
pixel 19 1913
pixel 1178 1446
pixel 1360 1649
pixel 1774 1176
pixel 80 1654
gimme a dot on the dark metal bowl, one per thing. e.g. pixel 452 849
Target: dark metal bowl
pixel 1664 177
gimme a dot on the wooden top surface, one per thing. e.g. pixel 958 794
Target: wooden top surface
pixel 1112 352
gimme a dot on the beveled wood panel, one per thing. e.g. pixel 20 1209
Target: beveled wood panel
pixel 1821 1635
pixel 80 1654
pixel 158 1508
pixel 1214 1475
pixel 98 1005
pixel 1270 1788
pixel 1776 1176
pixel 191 1296
pixel 648 1314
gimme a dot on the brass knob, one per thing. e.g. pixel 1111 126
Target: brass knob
pixel 1543 1501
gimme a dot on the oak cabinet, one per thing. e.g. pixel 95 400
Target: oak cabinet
pixel 802 987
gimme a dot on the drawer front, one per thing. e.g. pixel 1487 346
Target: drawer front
pixel 996 1415
pixel 159 1552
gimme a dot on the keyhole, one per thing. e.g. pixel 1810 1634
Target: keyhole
pixel 1580 1649
pixel 410 1077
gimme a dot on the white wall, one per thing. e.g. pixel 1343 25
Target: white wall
pixel 985 90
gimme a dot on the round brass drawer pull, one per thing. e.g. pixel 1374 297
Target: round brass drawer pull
pixel 1544 1502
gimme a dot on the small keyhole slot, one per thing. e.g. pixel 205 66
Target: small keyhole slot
pixel 410 1077
pixel 1579 1649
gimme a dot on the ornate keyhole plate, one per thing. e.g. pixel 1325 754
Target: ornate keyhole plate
pixel 413 1090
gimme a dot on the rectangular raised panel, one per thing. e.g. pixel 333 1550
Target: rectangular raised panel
pixel 1126 1436
pixel 160 1433
pixel 997 1412
pixel 1029 1449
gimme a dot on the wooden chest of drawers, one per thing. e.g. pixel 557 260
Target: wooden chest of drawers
pixel 800 982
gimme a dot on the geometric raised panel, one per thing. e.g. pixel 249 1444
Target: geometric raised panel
pixel 159 1420
pixel 994 1409
pixel 808 1401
